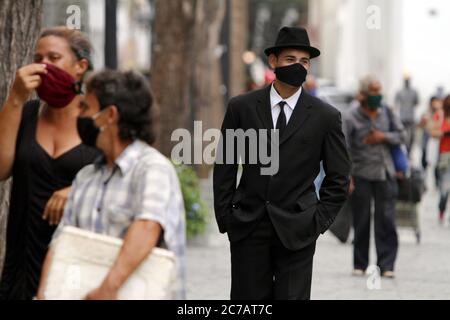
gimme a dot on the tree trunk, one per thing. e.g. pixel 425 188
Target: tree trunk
pixel 206 78
pixel 171 68
pixel 20 24
pixel 186 77
pixel 238 45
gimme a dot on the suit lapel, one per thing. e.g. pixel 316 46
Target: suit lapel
pixel 264 109
pixel 301 113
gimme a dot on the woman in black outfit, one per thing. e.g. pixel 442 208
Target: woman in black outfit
pixel 41 150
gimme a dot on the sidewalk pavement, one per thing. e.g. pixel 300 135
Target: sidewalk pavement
pixel 422 271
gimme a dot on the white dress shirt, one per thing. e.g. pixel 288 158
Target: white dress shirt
pixel 291 102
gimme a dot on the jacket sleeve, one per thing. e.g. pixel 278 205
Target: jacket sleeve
pixel 337 165
pixel 225 171
pixel 347 128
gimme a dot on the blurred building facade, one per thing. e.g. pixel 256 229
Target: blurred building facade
pixel 354 45
pixel 357 37
pixel 407 39
pixel 134 30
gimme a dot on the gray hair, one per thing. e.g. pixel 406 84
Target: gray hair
pixel 365 83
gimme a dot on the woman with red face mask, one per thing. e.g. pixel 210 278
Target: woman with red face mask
pixel 41 150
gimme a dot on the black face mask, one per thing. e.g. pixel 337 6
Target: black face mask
pixel 294 74
pixel 87 131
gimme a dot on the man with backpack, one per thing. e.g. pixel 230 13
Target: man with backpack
pixel 373 132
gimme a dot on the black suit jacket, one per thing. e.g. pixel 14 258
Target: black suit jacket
pixel 314 133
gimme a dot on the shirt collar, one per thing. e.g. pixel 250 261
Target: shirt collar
pixel 365 115
pixel 100 161
pixel 275 98
pixel 127 159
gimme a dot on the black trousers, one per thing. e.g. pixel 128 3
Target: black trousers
pixel 263 269
pixel 384 195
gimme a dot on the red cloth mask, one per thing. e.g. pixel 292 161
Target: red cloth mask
pixel 58 88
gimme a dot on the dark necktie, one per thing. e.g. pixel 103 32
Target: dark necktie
pixel 281 122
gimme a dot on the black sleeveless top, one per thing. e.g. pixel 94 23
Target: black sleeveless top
pixel 36 176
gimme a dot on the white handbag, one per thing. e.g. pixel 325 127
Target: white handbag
pixel 82 260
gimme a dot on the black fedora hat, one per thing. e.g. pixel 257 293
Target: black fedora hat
pixel 293 37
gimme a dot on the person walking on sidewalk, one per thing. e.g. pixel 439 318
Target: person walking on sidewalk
pixel 430 145
pixel 441 131
pixel 371 130
pixel 273 221
pixel 407 99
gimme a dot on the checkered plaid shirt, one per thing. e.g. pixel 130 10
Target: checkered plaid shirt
pixel 142 186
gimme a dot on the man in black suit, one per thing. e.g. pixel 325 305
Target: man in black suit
pixel 273 221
